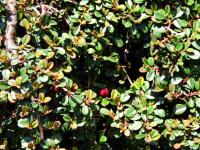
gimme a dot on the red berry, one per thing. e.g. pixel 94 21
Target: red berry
pixel 104 92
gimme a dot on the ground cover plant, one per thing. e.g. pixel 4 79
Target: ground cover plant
pixel 99 74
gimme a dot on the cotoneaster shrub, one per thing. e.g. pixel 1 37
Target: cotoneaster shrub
pixel 101 74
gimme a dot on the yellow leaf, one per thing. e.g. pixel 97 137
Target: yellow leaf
pixel 68 69
pixel 38 53
pixel 127 132
pixel 50 55
pixel 115 94
pixel 25 23
pixel 3 58
pixel 48 40
pixel 90 94
pixel 60 75
pixel 73 125
pixel 35 124
pixel 19 81
pixel 50 65
pixel 46 100
pixel 79 40
pixel 41 96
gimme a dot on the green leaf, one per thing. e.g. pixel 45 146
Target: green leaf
pixel 76 30
pixel 176 80
pixel 119 42
pixel 194 54
pixel 124 97
pixel 69 82
pixel 129 112
pixel 66 126
pixel 197 85
pixel 97 14
pixel 159 15
pixel 135 126
pixel 91 51
pixel 83 2
pixel 4 85
pixel 43 78
pixel 155 135
pixel 99 46
pixel 196 45
pixel 151 61
pixel 103 139
pixel 138 83
pixel 54 140
pixel 179 47
pixel 6 74
pixel 104 111
pixel 139 1
pixel 150 110
pixel 61 50
pixel 87 17
pixel 113 58
pixel 26 39
pixel 197 102
pixel 170 47
pixel 191 103
pixel 150 75
pixel 104 102
pixel 177 23
pixel 159 112
pixel 22 71
pixel 180 109
pixel 129 4
pixel 78 98
pixel 179 13
pixel 167 9
pixel 139 136
pixel 190 2
pixel 85 110
pixel 191 83
pixel 127 23
pixel 72 102
pixel 23 122
pixel 67 118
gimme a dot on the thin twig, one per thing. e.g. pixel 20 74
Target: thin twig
pixel 172 31
pixel 128 77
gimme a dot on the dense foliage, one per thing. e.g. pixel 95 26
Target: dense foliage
pixel 101 74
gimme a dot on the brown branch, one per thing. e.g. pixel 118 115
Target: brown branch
pixel 11 26
pixel 174 63
pixel 41 129
pixel 46 9
pixel 183 95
